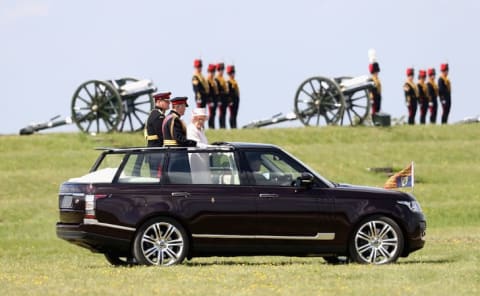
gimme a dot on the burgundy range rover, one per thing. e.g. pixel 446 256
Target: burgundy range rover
pixel 158 206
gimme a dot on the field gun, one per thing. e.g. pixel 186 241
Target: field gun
pixel 324 101
pixel 105 106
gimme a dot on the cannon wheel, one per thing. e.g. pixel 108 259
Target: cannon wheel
pixel 320 99
pixel 357 106
pixel 136 110
pixel 96 107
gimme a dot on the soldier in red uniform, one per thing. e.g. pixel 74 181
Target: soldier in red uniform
pixel 233 96
pixel 222 95
pixel 422 95
pixel 411 96
pixel 375 93
pixel 444 92
pixel 212 98
pixel 432 90
pixel 153 126
pixel 200 85
pixel 174 129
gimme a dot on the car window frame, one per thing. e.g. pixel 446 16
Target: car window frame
pixel 318 180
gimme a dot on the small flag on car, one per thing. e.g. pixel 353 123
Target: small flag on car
pixel 404 178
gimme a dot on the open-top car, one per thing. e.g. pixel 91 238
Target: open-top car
pixel 158 206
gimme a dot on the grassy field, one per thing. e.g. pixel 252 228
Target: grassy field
pixel 33 261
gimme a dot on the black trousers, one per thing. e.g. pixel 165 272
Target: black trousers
pixel 412 111
pixel 446 104
pixel 233 107
pixel 222 110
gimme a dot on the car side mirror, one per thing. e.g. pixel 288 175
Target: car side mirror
pixel 304 180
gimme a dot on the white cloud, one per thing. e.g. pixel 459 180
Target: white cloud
pixel 19 10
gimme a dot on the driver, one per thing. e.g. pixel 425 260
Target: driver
pixel 255 162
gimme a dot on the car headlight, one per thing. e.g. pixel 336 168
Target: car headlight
pixel 413 205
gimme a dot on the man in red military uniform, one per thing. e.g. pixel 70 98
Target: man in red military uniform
pixel 422 95
pixel 200 85
pixel 233 96
pixel 411 96
pixel 444 92
pixel 375 93
pixel 153 126
pixel 212 98
pixel 174 129
pixel 432 90
pixel 222 95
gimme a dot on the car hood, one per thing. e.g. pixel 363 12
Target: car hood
pixel 373 192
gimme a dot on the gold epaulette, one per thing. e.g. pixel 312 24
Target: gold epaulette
pixel 170 143
pixel 151 138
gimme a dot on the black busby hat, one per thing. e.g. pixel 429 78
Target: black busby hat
pixel 374 68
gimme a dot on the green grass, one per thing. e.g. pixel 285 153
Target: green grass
pixel 33 261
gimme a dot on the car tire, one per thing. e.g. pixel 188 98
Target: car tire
pixel 117 260
pixel 160 241
pixel 376 240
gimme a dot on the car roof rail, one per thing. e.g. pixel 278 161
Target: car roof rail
pixel 222 143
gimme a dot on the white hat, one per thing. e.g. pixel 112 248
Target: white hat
pixel 372 55
pixel 199 112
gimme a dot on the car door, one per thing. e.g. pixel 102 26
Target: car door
pixel 291 217
pixel 218 210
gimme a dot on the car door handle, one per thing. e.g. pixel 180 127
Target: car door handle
pixel 180 194
pixel 268 195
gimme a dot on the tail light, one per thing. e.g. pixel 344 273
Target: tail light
pixel 90 204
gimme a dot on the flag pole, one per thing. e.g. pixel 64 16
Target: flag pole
pixel 413 176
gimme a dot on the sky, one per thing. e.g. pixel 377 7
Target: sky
pixel 50 47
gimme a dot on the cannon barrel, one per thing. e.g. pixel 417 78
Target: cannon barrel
pixel 349 86
pixel 30 129
pixel 277 118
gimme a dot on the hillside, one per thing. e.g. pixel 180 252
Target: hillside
pixel 447 171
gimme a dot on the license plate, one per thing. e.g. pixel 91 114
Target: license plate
pixel 66 202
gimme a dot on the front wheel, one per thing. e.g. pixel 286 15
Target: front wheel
pixel 160 241
pixel 117 260
pixel 376 240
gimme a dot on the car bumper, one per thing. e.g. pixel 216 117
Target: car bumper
pixel 92 238
pixel 418 241
pixel 416 238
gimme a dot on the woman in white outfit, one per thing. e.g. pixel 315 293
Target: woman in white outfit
pixel 196 129
pixel 199 162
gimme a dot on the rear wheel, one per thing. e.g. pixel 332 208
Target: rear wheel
pixel 160 241
pixel 376 240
